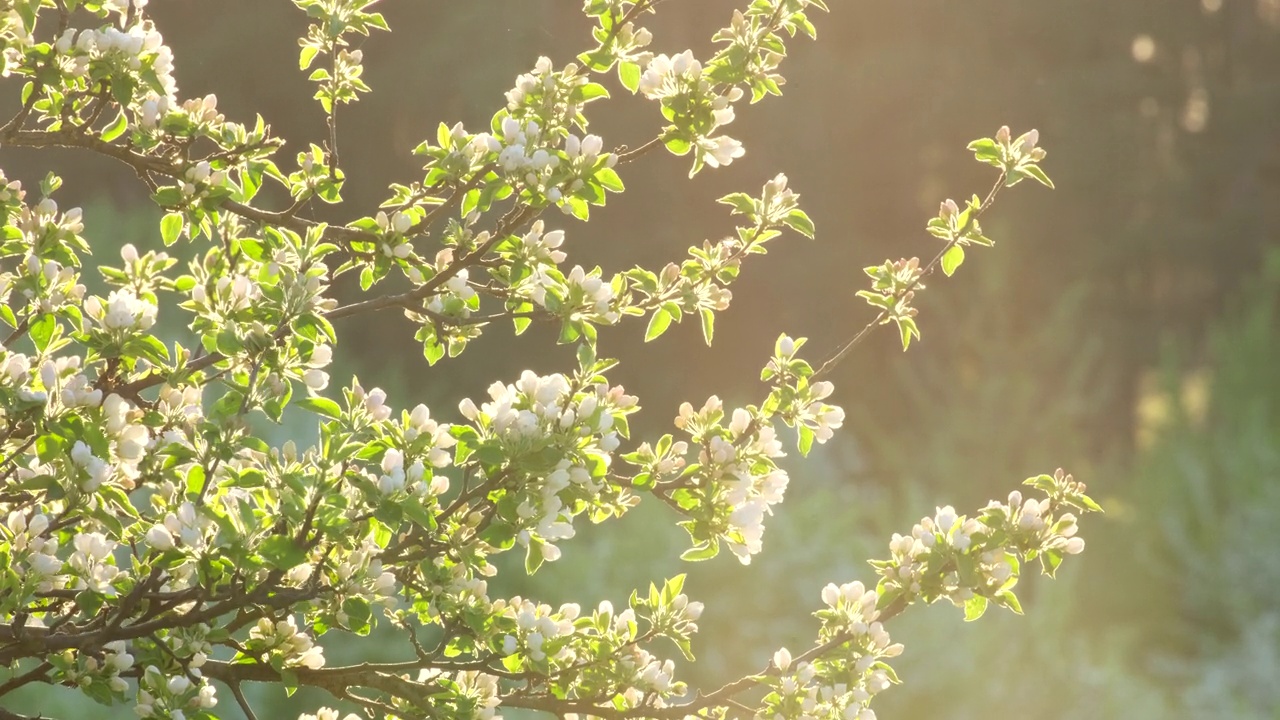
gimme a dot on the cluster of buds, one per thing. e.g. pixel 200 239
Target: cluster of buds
pixel 294 647
pixel 972 562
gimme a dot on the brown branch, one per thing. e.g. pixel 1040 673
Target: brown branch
pixel 514 219
pixel 626 156
pixel 243 702
pixel 40 672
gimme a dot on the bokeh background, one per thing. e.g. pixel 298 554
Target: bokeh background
pixel 1124 327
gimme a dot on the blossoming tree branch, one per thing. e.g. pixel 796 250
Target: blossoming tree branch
pixel 156 553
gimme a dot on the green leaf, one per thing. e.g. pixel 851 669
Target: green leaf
pixel 150 347
pixel 658 324
pixel 678 145
pixel 974 608
pixel 42 329
pixel 591 91
pixel 708 324
pixel 908 329
pixel 608 178
pixel 89 602
pixel 799 221
pixel 533 557
pixel 1049 562
pixel 281 552
pixel 321 406
pixel 986 151
pixel 115 129
pixel 195 479
pixel 1009 600
pixel 358 614
pixel 888 671
pixel 306 57
pixel 805 443
pixel 629 75
pixel 48 447
pixel 1089 504
pixel 290 680
pixel 741 203
pixel 171 227
pixel 598 59
pixel 701 551
pixel 952 259
pixel 1035 172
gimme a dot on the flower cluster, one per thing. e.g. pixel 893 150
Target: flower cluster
pixel 122 313
pixel 736 482
pixel 536 629
pixel 283 639
pixel 162 696
pixel 182 528
pixel 839 685
pixel 97 676
pixel 92 566
pixel 540 245
pixel 121 53
pixel 698 107
pixel 34 557
pixel 983 555
pixel 572 430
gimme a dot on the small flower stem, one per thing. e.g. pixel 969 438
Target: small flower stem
pixel 840 355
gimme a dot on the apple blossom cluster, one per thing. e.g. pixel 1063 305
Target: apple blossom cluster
pixel 796 398
pixel 678 82
pixel 117 53
pixel 294 647
pixel 98 677
pixel 173 697
pixel 981 557
pixel 536 629
pixel 698 98
pixel 565 431
pixel 841 684
pixel 734 483
pixel 556 97
pixel 600 652
pixel 33 555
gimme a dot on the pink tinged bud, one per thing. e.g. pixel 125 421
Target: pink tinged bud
pixel 1074 546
